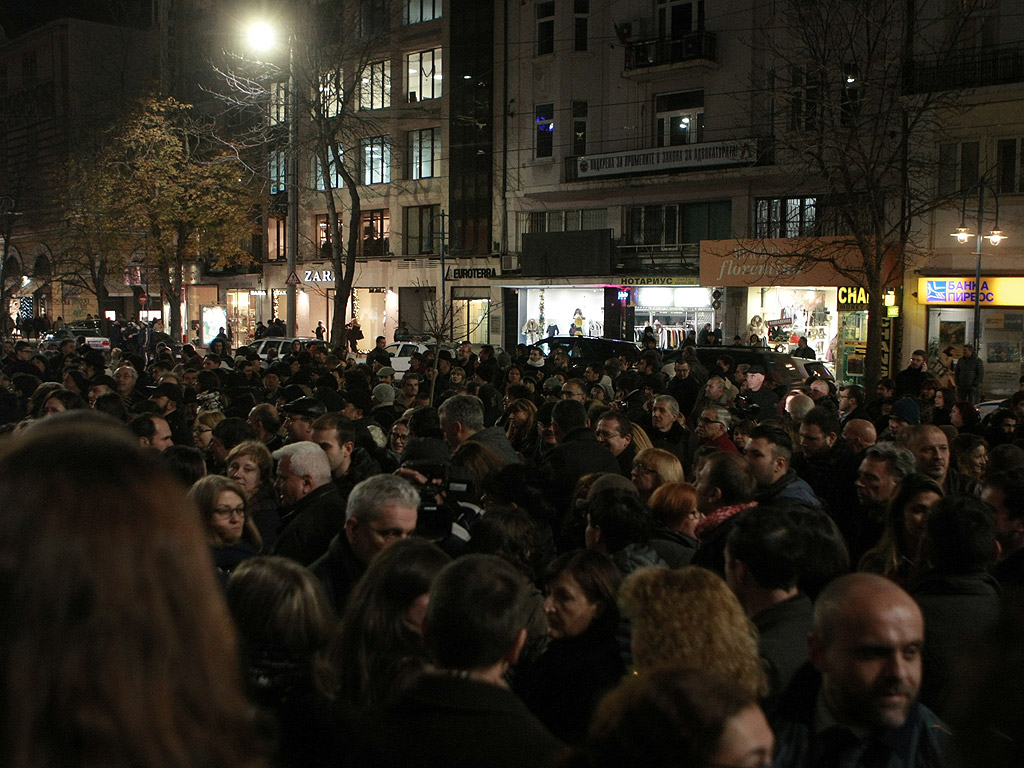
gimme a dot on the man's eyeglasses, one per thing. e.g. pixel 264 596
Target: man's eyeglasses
pixel 608 435
pixel 706 420
pixel 566 393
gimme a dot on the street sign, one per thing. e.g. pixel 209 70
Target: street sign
pixel 293 279
pixel 143 299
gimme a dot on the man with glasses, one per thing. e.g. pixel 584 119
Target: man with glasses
pixel 574 389
pixel 615 432
pixel 298 418
pixel 713 429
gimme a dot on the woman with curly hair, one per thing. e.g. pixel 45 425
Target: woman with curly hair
pixel 691 619
pixel 381 644
pixel 675 718
pixel 653 467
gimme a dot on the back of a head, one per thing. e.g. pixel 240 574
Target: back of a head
pixel 569 415
pixel 622 518
pixel 689 617
pixel 731 474
pixel 769 543
pixel 478 606
pixel 370 495
pixel 465 409
pixel 511 534
pixel 667 717
pixel 961 535
pixel 81 621
pixel 279 606
pixel 799 406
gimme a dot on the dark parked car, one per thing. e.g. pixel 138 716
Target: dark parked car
pixel 783 369
pixel 584 350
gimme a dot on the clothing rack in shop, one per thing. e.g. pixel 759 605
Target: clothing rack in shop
pixel 668 336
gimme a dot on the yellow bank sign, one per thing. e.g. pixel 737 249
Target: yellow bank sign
pixel 960 291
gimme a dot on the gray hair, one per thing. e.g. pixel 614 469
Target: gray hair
pixel 306 458
pixel 670 402
pixel 899 460
pixel 722 414
pixel 468 410
pixel 373 493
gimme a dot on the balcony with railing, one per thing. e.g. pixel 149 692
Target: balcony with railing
pixel 659 259
pixel 656 51
pixel 953 70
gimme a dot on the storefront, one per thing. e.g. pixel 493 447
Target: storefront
pixel 547 311
pixel 671 312
pixel 788 297
pixel 950 325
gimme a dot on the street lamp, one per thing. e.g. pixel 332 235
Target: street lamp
pixel 263 37
pixel 963 234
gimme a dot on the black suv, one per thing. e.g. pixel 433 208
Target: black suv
pixel 587 350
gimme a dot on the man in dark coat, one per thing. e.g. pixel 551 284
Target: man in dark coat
pixel 958 597
pixel 1004 492
pixel 764 558
pixel 909 380
pixel 315 509
pixel 463 715
pixel 684 386
pixel 666 430
pixel 856 704
pixel 615 432
pixel 576 454
pixel 380 511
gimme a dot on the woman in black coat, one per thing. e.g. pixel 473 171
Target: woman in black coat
pixel 582 662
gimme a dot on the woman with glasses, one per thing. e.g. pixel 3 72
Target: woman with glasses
pixel 229 530
pixel 398 437
pixel 653 467
pixel 250 465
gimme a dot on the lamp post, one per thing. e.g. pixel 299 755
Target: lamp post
pixel 262 36
pixel 963 234
pixel 445 325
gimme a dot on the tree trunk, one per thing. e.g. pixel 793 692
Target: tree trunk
pixel 873 358
pixel 344 262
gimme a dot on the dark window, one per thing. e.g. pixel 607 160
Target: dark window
pixel 581 8
pixel 545 27
pixel 579 127
pixel 786 217
pixel 419 228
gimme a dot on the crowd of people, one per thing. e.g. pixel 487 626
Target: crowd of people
pixel 502 559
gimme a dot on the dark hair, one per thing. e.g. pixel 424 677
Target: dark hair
pixel 511 534
pixel 424 422
pixel 233 430
pixel 282 613
pixel 1005 457
pixel 598 578
pixel 111 404
pixel 186 462
pixel 730 473
pixel 85 631
pixel 621 516
pixel 779 438
pixel 886 383
pixel 961 535
pixel 267 417
pixel 855 392
pixel 962 446
pixel 968 412
pixel 342 424
pixel 569 415
pixel 823 418
pixel 664 717
pixel 143 426
pixel 478 606
pixel 1011 485
pixel 377 646
pixel 479 461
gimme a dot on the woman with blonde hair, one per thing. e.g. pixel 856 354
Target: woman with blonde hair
pixel 690 618
pixel 653 467
pixel 641 439
pixel 229 529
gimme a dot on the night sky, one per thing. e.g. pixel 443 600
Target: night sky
pixel 20 16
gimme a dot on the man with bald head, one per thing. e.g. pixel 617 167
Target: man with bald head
pixel 856 703
pixel 930 447
pixel 860 434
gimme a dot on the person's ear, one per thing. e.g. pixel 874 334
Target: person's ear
pixel 517 647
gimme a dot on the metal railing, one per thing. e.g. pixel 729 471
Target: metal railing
pixel 652 52
pixel 951 70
